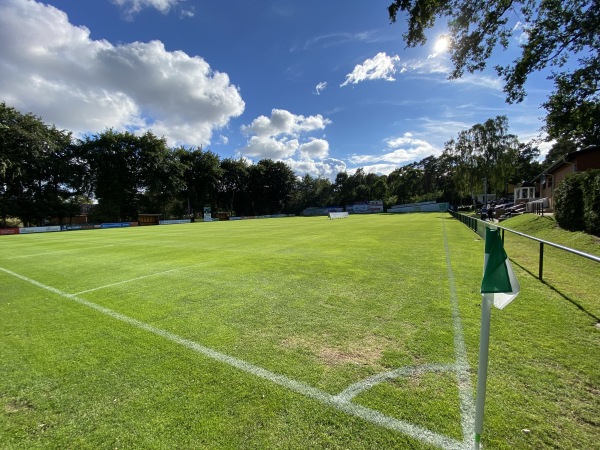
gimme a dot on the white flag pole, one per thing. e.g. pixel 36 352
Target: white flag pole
pixel 484 343
pixel 499 287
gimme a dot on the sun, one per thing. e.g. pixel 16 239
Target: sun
pixel 441 45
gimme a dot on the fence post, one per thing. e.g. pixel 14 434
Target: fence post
pixel 541 268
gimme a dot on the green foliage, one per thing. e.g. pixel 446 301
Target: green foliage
pixel 310 191
pixel 557 34
pixel 560 148
pixel 568 203
pixel 359 186
pixel 487 151
pixel 36 168
pixel 577 202
pixel 591 193
pixel 130 174
pixel 526 166
pixel 233 184
pixel 574 108
pixel 201 176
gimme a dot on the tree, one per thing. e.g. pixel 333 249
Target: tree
pixel 527 166
pixel 407 183
pixel 257 190
pixel 277 184
pixel 569 203
pixel 233 183
pixel 485 151
pixel 555 33
pixel 113 174
pixel 35 168
pixel 160 175
pixel 201 174
pixel 310 191
pixel 130 174
pixel 379 189
pixel 574 108
pixel 343 191
pixel 560 148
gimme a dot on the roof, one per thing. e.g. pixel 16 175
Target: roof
pixel 567 158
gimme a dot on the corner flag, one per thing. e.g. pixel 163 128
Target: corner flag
pixel 499 282
pixel 498 287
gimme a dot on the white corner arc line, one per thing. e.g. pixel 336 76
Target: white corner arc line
pixel 367 414
pixel 353 390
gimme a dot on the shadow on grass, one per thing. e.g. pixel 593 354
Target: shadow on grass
pixel 562 294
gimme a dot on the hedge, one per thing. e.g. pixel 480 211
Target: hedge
pixel 577 202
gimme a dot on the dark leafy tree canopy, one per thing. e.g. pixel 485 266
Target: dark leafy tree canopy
pixel 35 167
pixel 556 31
pixel 560 148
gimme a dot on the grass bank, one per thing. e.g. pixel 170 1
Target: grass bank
pixel 545 227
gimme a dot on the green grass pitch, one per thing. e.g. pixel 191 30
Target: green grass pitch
pixel 282 333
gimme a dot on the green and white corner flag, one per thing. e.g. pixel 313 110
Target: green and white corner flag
pixel 499 282
pixel 498 287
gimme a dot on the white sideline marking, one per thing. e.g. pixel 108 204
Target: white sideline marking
pixel 123 282
pixel 467 402
pixel 367 414
pixel 58 251
pixel 461 366
pixel 34 255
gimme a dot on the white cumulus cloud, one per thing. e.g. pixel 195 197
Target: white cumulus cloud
pixel 283 122
pixel 400 150
pixel 325 168
pixel 381 66
pixel 286 136
pixel 315 148
pixel 261 147
pixel 55 70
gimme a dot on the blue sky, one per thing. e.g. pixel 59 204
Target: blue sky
pixel 325 86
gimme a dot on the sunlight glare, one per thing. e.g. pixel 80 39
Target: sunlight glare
pixel 441 44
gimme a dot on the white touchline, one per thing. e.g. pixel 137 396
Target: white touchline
pixel 467 402
pixel 123 282
pixel 57 251
pixel 34 255
pixel 342 401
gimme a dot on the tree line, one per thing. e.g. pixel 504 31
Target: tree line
pixel 47 174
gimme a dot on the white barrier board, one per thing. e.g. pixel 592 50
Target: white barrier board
pixel 338 215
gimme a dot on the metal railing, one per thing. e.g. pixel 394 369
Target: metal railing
pixel 537 207
pixel 474 224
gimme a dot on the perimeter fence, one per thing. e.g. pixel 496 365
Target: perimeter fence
pixel 535 255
